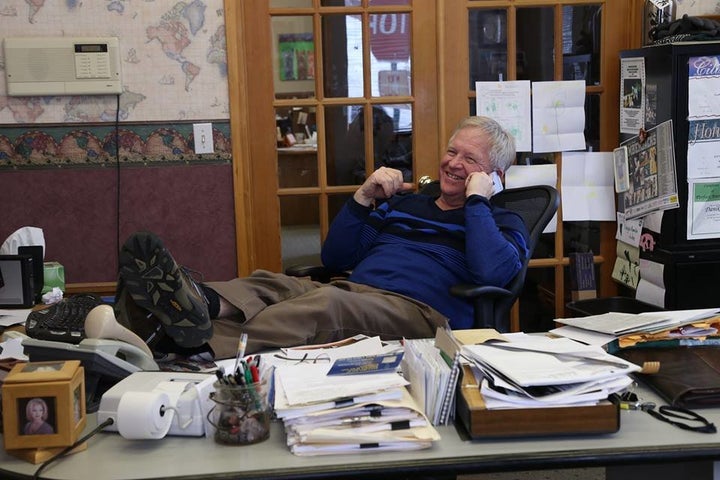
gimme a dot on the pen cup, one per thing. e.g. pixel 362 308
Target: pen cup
pixel 241 414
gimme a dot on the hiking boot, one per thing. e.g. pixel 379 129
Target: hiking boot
pixel 156 283
pixel 140 321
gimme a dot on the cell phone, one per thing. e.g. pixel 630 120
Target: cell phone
pixel 497 183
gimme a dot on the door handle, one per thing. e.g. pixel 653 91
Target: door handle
pixel 424 181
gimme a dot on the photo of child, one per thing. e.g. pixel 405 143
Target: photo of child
pixel 36 413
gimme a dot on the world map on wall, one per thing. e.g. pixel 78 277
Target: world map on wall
pixel 174 63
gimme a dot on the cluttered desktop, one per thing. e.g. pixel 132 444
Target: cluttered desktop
pixel 591 391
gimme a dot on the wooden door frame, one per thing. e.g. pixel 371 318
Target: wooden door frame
pixel 254 150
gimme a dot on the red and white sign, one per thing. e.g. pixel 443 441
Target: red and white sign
pixel 394 82
pixel 390 36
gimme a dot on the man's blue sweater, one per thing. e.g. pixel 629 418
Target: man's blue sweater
pixel 409 245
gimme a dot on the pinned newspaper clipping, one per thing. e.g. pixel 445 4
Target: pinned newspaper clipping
pixel 651 170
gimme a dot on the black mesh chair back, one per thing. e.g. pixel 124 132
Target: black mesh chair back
pixel 536 205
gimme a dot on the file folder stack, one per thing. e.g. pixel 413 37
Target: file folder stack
pixel 339 414
pixel 433 378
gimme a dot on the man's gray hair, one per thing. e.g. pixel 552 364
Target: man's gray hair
pixel 502 144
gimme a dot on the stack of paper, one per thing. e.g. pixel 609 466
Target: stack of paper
pixel 336 414
pixel 538 371
pixel 432 377
pixel 629 329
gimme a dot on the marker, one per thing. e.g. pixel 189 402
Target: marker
pixel 220 375
pixel 242 344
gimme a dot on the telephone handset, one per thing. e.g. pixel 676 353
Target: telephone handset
pixel 119 356
pixel 122 350
pixel 497 182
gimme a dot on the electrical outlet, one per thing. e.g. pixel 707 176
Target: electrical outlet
pixel 203 138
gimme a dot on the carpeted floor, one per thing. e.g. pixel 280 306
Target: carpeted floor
pixel 300 245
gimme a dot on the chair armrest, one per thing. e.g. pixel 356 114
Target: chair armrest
pixel 470 291
pixel 318 273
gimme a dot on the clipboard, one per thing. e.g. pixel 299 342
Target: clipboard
pixel 481 423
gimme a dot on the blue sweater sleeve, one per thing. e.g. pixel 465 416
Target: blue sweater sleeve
pixel 496 242
pixel 344 244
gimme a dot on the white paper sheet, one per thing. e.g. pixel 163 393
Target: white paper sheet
pixel 526 368
pixel 558 116
pixel 652 272
pixel 12 348
pixel 650 293
pixel 13 316
pixel 588 186
pixel 305 384
pixel 629 230
pixel 508 103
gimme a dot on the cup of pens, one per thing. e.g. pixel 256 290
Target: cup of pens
pixel 241 414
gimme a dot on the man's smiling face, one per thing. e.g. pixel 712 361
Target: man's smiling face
pixel 467 152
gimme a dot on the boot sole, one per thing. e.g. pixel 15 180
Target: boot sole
pixel 154 281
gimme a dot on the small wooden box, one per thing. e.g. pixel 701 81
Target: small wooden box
pixel 43 405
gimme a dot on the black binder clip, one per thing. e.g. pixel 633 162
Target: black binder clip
pixel 630 401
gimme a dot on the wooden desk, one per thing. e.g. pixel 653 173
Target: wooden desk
pixel 641 440
pixel 297 167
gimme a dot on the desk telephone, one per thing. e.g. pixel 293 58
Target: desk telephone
pixel 106 354
pixel 105 337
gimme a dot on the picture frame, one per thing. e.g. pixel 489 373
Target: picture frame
pixel 16 281
pixel 43 405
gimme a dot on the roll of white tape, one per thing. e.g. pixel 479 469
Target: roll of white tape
pixel 143 415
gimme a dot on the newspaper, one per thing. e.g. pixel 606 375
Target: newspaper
pixel 651 168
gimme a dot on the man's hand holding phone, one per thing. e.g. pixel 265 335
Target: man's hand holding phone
pixel 481 183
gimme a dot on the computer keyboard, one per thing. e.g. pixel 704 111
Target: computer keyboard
pixel 63 321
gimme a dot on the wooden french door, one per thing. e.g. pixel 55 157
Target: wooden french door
pixel 313 68
pixel 322 93
pixel 500 40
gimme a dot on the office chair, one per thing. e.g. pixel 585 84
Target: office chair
pixel 491 305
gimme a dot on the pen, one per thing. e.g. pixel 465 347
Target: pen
pixel 240 372
pixel 255 373
pixel 242 344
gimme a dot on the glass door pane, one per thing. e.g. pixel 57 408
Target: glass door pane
pixel 332 67
pixel 581 43
pixel 488 45
pixel 535 44
pixel 299 216
pixel 293 51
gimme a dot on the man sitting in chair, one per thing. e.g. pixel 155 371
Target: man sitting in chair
pixel 404 253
